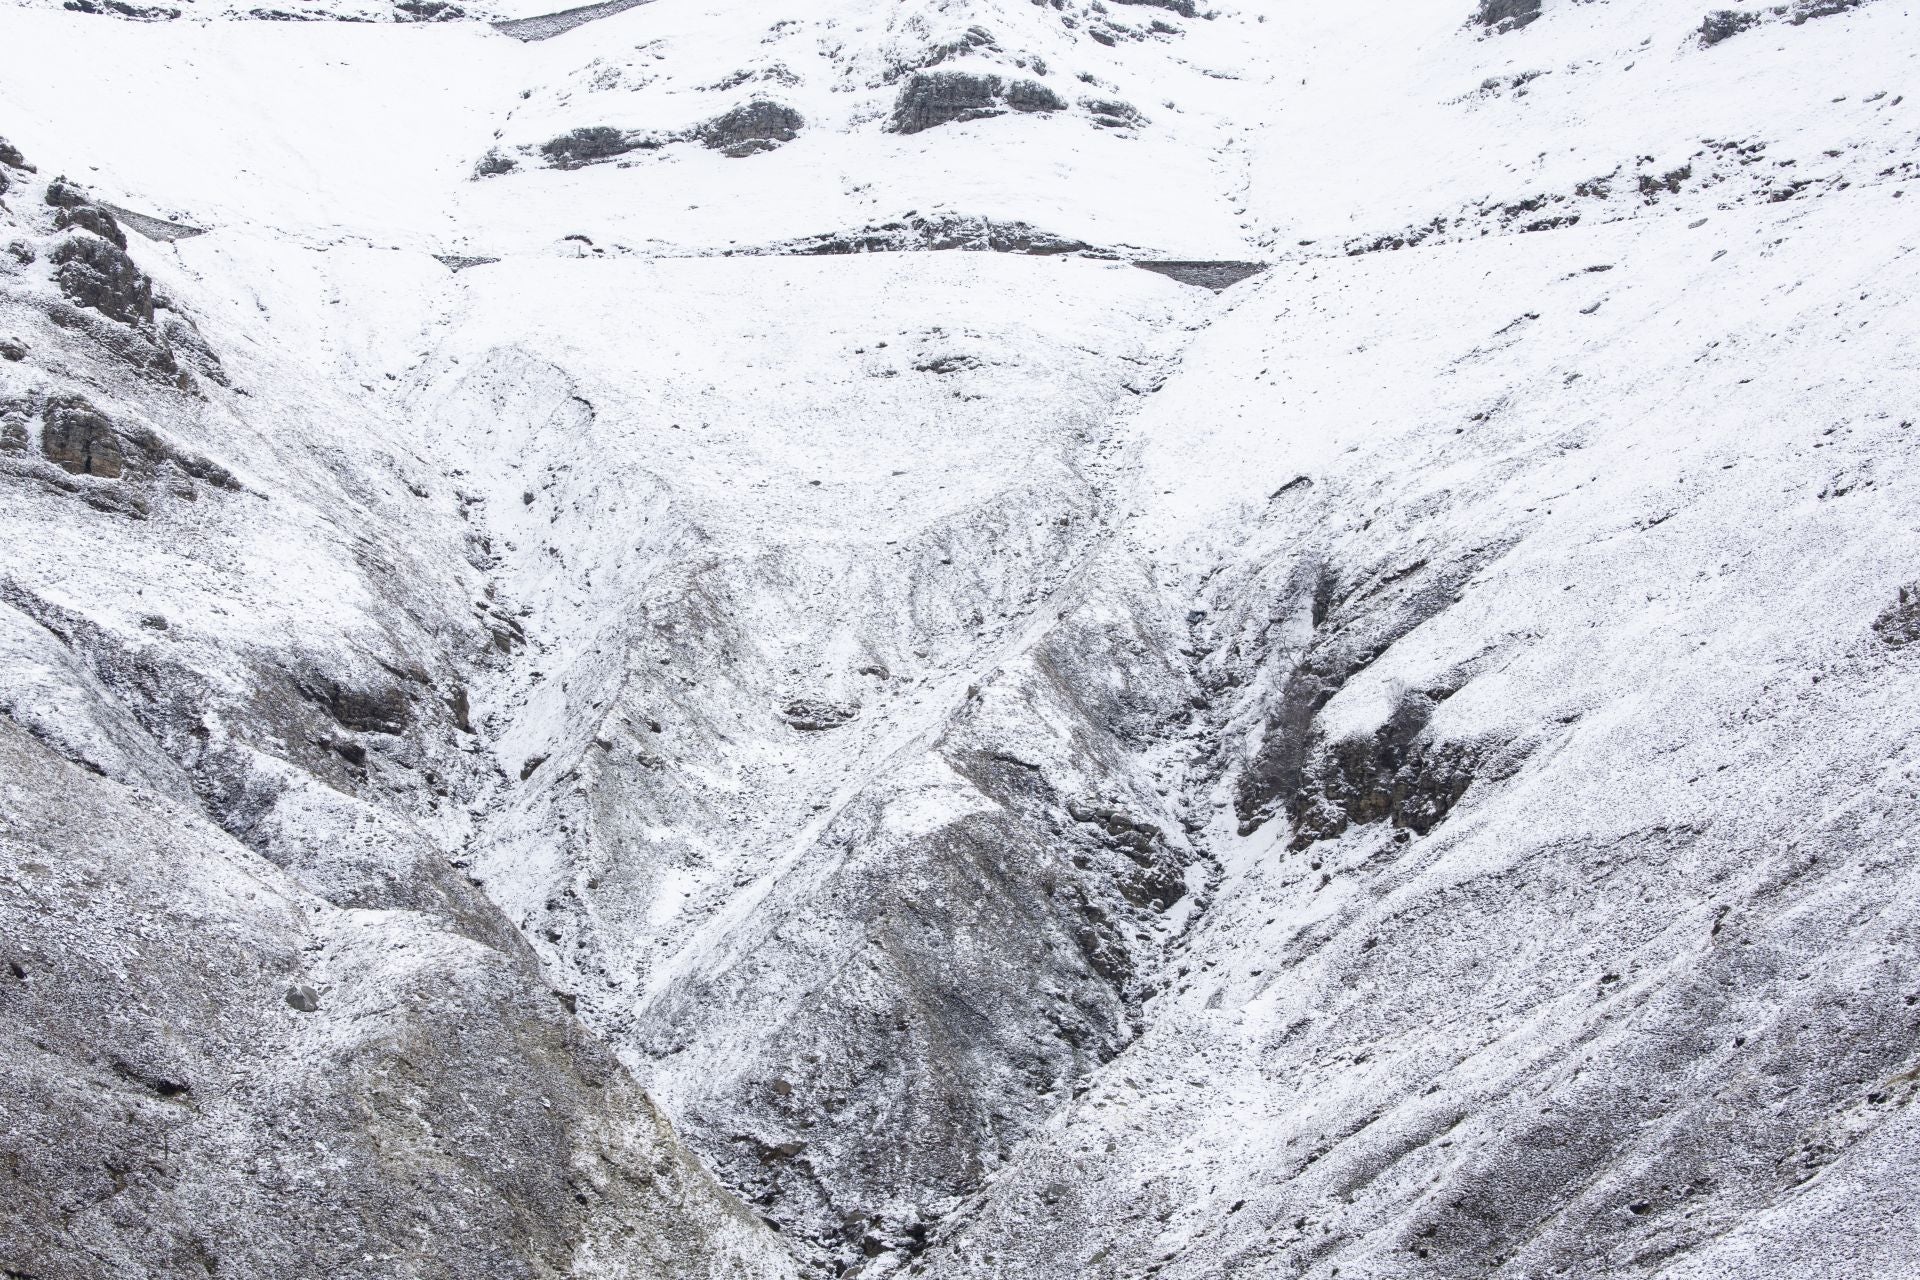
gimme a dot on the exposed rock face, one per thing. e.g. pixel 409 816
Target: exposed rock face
pixel 1722 23
pixel 586 145
pixel 81 439
pixel 98 274
pixel 1507 15
pixel 749 129
pixel 95 219
pixel 932 98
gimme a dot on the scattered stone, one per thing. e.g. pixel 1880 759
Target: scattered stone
pixel 812 715
pixel 303 998
pixel 943 364
pixel 1111 113
pixel 10 156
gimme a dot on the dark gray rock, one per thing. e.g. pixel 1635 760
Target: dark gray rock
pixel 363 702
pixel 62 194
pixel 1899 624
pixel 14 438
pixel 91 217
pixel 427 11
pixel 1506 15
pixel 81 439
pixel 586 145
pixel 1722 24
pixel 495 163
pixel 1806 10
pixel 1399 774
pixel 1350 629
pixel 750 129
pixel 932 98
pixel 11 157
pixel 1111 113
pixel 814 714
pixel 99 275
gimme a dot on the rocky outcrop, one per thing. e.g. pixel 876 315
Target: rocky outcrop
pixel 750 129
pixel 92 217
pixel 585 145
pixel 747 130
pixel 1724 23
pixel 1401 773
pixel 98 274
pixel 929 99
pixel 81 439
pixel 1721 24
pixel 1506 15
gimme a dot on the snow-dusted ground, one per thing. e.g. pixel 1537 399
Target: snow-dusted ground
pixel 1033 767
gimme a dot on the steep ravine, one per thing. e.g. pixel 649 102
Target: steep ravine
pixel 654 654
pixel 961 763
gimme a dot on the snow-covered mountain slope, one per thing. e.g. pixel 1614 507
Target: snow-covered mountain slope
pixel 637 645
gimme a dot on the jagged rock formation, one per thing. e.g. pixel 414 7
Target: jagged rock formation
pixel 656 716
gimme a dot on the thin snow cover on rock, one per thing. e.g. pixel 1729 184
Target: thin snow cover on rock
pixel 630 646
